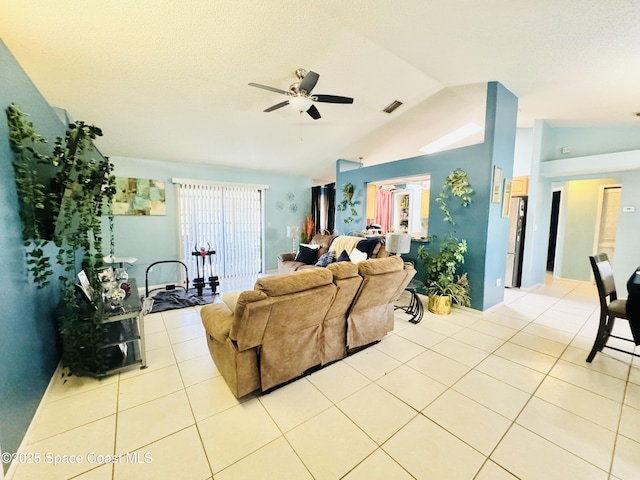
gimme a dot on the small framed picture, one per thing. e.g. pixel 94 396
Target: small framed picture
pixel 506 198
pixel 496 187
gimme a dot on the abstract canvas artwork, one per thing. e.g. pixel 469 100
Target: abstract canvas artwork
pixel 139 196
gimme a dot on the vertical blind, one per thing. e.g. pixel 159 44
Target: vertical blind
pixel 226 218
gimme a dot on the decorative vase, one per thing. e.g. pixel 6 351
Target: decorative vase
pixel 440 305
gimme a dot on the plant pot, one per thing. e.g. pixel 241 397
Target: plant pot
pixel 440 305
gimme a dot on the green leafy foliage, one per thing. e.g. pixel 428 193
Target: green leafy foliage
pixel 348 203
pixel 69 214
pixel 441 266
pixel 457 185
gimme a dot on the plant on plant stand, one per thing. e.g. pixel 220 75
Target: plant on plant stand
pixel 348 203
pixel 69 213
pixel 442 261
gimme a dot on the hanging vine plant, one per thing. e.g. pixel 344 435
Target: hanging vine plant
pixel 347 202
pixel 69 213
pixel 455 184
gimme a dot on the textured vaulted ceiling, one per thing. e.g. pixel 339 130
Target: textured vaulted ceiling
pixel 167 79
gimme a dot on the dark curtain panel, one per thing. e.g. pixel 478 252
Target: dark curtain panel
pixel 323 207
pixel 330 193
pixel 316 193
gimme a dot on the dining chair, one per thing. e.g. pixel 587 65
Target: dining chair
pixel 611 307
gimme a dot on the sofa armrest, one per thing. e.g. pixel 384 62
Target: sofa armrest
pixel 217 320
pixel 287 257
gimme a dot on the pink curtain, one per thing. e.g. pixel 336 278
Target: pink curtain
pixel 383 209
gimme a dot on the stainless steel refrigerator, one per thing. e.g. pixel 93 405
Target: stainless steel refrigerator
pixel 515 244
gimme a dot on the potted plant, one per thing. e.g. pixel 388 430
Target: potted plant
pixel 69 213
pixel 443 285
pixel 441 262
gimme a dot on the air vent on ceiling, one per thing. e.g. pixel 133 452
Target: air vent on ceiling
pixel 392 106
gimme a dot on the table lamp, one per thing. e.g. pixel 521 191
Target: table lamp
pixel 293 232
pixel 398 243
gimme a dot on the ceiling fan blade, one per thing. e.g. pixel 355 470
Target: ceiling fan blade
pixel 272 89
pixel 332 99
pixel 277 106
pixel 309 81
pixel 313 112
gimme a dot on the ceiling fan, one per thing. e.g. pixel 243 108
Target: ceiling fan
pixel 300 97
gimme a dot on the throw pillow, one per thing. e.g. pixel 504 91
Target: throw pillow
pixel 344 257
pixel 357 256
pixel 326 258
pixel 307 255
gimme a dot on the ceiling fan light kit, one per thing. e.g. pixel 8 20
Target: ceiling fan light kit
pixel 301 99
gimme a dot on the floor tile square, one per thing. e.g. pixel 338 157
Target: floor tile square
pixel 190 349
pixel 399 348
pixel 439 367
pixel 588 405
pixel 293 404
pixel 626 462
pixel 525 356
pixel 74 411
pixel 511 373
pixel 170 457
pixel 579 436
pixel 338 381
pixel 219 433
pixel 460 352
pixel 378 465
pixel 330 444
pixel 583 376
pixel 441 454
pixel 493 394
pixel 377 412
pixel 146 423
pixel 541 459
pixel 210 397
pixel 152 385
pixel 471 422
pixel 412 387
pixel 372 363
pixel 630 423
pixel 197 369
pixel 274 461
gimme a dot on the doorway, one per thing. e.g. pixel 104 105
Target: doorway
pixel 608 221
pixel 553 231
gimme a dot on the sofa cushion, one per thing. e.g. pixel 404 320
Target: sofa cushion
pixel 358 256
pixel 293 282
pixel 325 259
pixel 343 270
pixel 343 257
pixel 307 255
pixel 369 246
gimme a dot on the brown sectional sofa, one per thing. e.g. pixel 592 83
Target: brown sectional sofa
pixel 291 324
pixel 287 263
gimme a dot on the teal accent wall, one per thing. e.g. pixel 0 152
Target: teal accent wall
pixel 481 224
pixel 28 348
pixel 155 238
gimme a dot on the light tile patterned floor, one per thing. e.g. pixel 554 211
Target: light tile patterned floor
pixel 501 395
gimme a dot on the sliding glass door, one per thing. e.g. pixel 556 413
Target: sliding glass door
pixel 225 218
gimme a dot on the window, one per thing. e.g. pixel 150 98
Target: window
pixel 223 217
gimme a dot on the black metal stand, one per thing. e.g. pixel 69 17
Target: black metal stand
pixel 199 282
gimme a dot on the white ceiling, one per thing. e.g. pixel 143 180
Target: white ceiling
pixel 167 79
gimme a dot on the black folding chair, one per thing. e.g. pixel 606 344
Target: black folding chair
pixel 611 307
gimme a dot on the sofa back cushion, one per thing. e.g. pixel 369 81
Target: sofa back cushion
pixel 324 241
pixel 298 281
